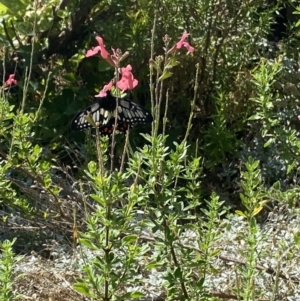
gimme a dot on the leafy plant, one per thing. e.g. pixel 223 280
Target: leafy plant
pixel 8 260
pixel 253 200
pixel 114 230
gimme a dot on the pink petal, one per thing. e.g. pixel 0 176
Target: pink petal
pixel 101 94
pixel 182 40
pixel 188 47
pixel 182 43
pixel 106 88
pixel 11 80
pixel 104 52
pixel 127 82
pixel 93 51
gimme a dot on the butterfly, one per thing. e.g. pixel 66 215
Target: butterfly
pixel 104 111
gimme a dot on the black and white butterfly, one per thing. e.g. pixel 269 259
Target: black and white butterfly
pixel 104 112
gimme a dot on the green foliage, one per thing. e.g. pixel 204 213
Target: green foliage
pixel 252 198
pixel 8 260
pixel 253 201
pixel 219 141
pixel 114 229
pixel 22 159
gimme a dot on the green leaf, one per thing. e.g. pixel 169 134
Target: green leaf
pixel 92 167
pixel 3 9
pixel 90 119
pixel 178 273
pixel 37 150
pixel 270 141
pixel 14 7
pixel 172 63
pixel 99 200
pixel 129 238
pixel 240 213
pixel 136 295
pixel 200 282
pixel 166 74
pixel 83 289
pixel 62 13
pixel 291 167
pixel 77 58
pixel 297 238
pixel 257 210
pixel 255 117
pixel 88 243
pixel 154 265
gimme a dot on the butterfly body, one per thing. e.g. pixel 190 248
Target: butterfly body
pixel 104 111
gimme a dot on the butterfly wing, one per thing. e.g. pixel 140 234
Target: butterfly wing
pixel 101 112
pixel 132 113
pixel 104 112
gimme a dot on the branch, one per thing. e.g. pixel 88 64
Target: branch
pixel 61 41
pixel 7 35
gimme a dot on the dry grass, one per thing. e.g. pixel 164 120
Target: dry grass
pixel 44 282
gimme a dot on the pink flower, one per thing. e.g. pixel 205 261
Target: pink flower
pixel 106 88
pixel 298 117
pixel 104 53
pixel 127 82
pixel 11 80
pixel 183 43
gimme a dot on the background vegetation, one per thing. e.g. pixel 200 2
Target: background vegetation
pixel 227 136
